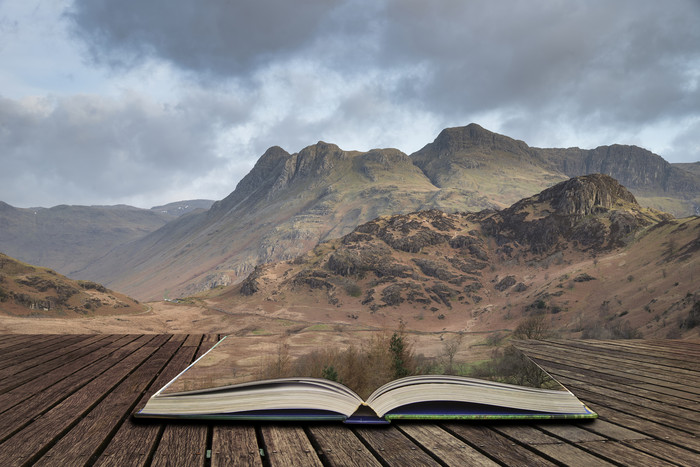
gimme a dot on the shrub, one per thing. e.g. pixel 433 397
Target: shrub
pixel 353 290
pixel 693 318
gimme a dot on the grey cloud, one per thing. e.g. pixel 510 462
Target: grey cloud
pixel 100 149
pixel 686 146
pixel 216 36
pixel 535 67
pixel 628 60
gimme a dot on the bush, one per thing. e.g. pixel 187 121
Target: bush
pixel 609 330
pixel 353 290
pixel 693 318
pixel 388 356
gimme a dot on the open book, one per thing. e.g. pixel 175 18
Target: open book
pixel 205 390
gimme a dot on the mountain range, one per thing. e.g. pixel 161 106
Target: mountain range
pixel 581 258
pixel 289 203
pixel 68 238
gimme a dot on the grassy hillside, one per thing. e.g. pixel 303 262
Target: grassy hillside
pixel 27 290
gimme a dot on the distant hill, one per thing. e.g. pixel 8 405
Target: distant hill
pixel 67 238
pixel 179 208
pixel 290 202
pixel 27 290
pixel 692 167
pixel 583 255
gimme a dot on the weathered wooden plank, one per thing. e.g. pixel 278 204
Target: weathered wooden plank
pixel 623 454
pixel 679 399
pixel 27 444
pixel 234 445
pixel 134 442
pixel 85 438
pixel 655 429
pixel 340 446
pixel 614 432
pixel 93 351
pixel 635 371
pixel 641 351
pixel 667 451
pixel 602 376
pixel 570 433
pixel 496 445
pixel 40 401
pixel 6 339
pixel 67 353
pixel 444 446
pixel 23 358
pixel 24 343
pixel 207 342
pixel 641 371
pixel 550 446
pixel 634 348
pixel 393 446
pixel 650 428
pixel 644 408
pixel 187 439
pixel 184 443
pixel 288 445
pixel 9 343
pixel 682 349
pixel 193 340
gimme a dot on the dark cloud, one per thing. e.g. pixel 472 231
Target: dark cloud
pixel 621 63
pixel 216 36
pixel 626 61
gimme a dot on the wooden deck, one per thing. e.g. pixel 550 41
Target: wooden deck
pixel 68 400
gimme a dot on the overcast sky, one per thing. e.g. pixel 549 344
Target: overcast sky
pixel 147 102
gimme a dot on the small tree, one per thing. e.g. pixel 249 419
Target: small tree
pixel 402 363
pixel 534 327
pixel 450 348
pixel 330 373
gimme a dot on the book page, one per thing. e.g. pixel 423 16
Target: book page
pixel 362 360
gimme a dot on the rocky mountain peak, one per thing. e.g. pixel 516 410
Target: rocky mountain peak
pixel 594 211
pixel 462 139
pixel 261 177
pixel 586 195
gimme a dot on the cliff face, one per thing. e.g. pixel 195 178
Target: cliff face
pixel 586 195
pixel 634 167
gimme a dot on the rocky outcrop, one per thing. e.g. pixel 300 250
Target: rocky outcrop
pixel 593 210
pixel 585 195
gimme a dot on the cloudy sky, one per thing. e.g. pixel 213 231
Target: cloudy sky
pixel 147 102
